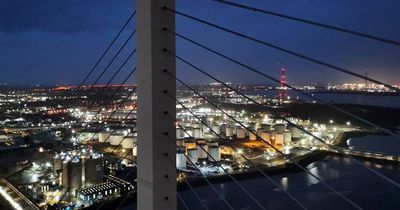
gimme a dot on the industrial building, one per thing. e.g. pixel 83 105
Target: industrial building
pixel 78 168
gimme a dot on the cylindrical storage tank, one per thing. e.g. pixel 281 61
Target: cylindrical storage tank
pixel 188 132
pixel 104 137
pixel 196 125
pixel 201 151
pixel 94 171
pixel 252 136
pixel 272 134
pixel 280 127
pixel 279 138
pixel 57 164
pixel 187 124
pixel 265 136
pixel 116 139
pixel 216 129
pixel 66 175
pixel 265 127
pixel 122 132
pixel 193 155
pixel 287 137
pixel 212 143
pixel 206 129
pixel 128 142
pixel 215 154
pixel 296 132
pixel 196 133
pixel 253 126
pixel 76 174
pixel 180 133
pixel 134 151
pixel 241 133
pixel 259 132
pixel 228 132
pixel 72 175
pixel 180 159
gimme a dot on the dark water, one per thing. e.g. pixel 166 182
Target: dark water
pixel 376 143
pixel 364 188
pixel 367 190
pixel 373 100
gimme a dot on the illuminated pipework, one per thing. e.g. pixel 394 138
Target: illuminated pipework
pixel 13 203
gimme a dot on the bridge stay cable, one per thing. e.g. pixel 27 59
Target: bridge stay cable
pixel 287 51
pixel 335 148
pixel 269 144
pixel 242 155
pixel 308 95
pixel 115 92
pixel 219 165
pixel 309 22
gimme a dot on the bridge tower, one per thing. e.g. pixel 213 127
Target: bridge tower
pixel 156 162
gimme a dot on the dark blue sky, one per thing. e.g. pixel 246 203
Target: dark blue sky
pixel 57 42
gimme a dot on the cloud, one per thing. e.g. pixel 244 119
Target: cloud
pixel 62 16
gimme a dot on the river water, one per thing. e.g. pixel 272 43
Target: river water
pixel 340 98
pixel 365 189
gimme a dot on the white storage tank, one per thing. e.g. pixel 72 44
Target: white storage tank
pixel 296 132
pixel 265 127
pixel 212 143
pixel 134 151
pixel 279 139
pixel 201 151
pixel 228 132
pixel 241 133
pixel 116 139
pixel 196 133
pixel 266 136
pixel 180 159
pixel 252 135
pixel 272 134
pixel 287 138
pixel 215 154
pixel 193 155
pixel 280 127
pixel 180 133
pixel 104 137
pixel 259 132
pixel 252 126
pixel 196 125
pixel 206 129
pixel 188 132
pixel 216 129
pixel 128 142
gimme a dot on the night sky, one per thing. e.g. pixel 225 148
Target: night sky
pixel 52 42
